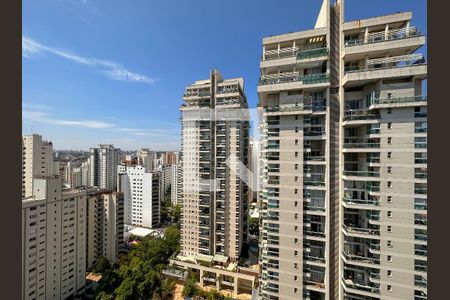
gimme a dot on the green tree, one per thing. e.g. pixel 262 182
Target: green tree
pixel 101 265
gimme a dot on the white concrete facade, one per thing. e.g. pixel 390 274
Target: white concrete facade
pixel 343 127
pixel 214 195
pixel 37 160
pixel 141 194
pixel 105 226
pixel 53 241
pixel 103 163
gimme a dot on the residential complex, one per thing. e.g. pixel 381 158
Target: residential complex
pixel 37 160
pixel 175 184
pixel 147 158
pixel 343 132
pixel 105 225
pixel 141 195
pixel 53 241
pixel 103 163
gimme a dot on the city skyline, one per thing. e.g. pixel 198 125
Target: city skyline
pixel 127 91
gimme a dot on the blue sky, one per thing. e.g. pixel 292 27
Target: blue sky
pixel 99 71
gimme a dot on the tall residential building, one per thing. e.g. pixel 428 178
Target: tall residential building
pixel 105 226
pixel 141 195
pixel 254 158
pixel 344 145
pixel 174 184
pixel 165 182
pixel 215 132
pixel 103 163
pixel 37 160
pixel 53 241
pixel 146 158
pixel 85 173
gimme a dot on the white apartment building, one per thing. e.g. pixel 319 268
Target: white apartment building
pixel 37 160
pixel 53 241
pixel 344 160
pixel 141 195
pixel 105 226
pixel 214 164
pixel 254 167
pixel 103 163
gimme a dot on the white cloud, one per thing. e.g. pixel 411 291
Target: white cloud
pixel 43 117
pixel 112 70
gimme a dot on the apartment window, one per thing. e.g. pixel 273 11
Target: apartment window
pixel 296 166
pixel 389 258
pixel 389 140
pixel 295 291
pixel 389 244
pixel 295 278
pixel 296 191
pixel 296 142
pixel 389 198
pixel 296 129
pixel 389 288
pixel 389 273
pixel 296 178
pixel 389 111
pixel 389 214
pixel 389 125
pixel 295 203
pixel 389 95
pixel 389 154
pixel 296 117
pixel 295 252
pixel 296 154
pixel 296 216
pixel 389 228
pixel 295 266
pixel 295 228
pixel 295 240
pixel 389 170
pixel 389 184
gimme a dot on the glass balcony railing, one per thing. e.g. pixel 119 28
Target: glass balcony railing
pixel 382 36
pixel 312 53
pixel 293 77
pixel 361 202
pixel 387 63
pixel 361 286
pixel 396 100
pixel 362 173
pixel 421 191
pixel 353 116
pixel 361 230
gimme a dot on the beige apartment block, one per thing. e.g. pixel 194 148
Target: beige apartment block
pixel 103 163
pixel 344 145
pixel 214 160
pixel 105 226
pixel 37 160
pixel 53 241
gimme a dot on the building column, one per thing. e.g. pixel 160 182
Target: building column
pixel 201 277
pixel 264 52
pixel 386 32
pixel 366 35
pixel 235 285
pixel 218 282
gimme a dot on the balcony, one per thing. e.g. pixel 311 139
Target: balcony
pixel 360 116
pixel 312 53
pixel 291 80
pixel 362 173
pixel 197 94
pixel 361 230
pixel 364 287
pixel 396 102
pixel 382 36
pixel 355 143
pixel 360 259
pixel 389 67
pixel 368 204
